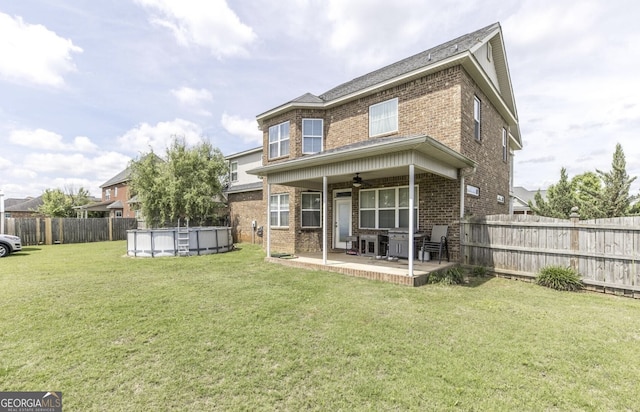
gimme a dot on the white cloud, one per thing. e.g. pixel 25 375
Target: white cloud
pixel 145 136
pixel 34 54
pixel 193 98
pixel 213 25
pixel 246 129
pixel 41 139
pixel 56 170
pixel 4 163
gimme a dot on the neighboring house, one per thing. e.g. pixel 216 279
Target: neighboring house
pixel 244 196
pixel 115 201
pixel 17 208
pixel 521 199
pixel 426 140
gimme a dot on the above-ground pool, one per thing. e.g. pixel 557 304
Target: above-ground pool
pixel 165 242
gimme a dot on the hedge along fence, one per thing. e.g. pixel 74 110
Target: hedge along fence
pixel 606 252
pixel 34 231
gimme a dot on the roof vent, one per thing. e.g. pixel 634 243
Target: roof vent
pixel 429 57
pixel 455 47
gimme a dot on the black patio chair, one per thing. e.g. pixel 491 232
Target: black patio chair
pixel 437 242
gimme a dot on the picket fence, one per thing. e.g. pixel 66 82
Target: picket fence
pixel 35 231
pixel 605 252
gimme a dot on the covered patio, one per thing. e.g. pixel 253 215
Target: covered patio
pixel 367 267
pixel 376 160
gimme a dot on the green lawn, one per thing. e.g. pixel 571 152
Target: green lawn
pixel 230 332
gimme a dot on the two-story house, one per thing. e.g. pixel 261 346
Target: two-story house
pixel 244 196
pixel 426 140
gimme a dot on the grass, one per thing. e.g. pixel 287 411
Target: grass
pixel 230 332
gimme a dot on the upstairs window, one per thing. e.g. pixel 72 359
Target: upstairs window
pixel 505 152
pixel 476 118
pixel 383 118
pixel 312 134
pixel 107 194
pixel 234 171
pixel 279 140
pixel 115 191
pixel 311 210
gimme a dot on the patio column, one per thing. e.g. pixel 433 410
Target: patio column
pixel 411 217
pixel 268 224
pixel 324 219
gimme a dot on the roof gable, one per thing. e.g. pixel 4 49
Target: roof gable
pixel 493 78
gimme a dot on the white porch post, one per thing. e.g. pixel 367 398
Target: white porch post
pixel 411 218
pixel 268 224
pixel 324 219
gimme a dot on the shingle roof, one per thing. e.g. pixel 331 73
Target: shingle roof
pixel 417 61
pixel 123 176
pixel 29 205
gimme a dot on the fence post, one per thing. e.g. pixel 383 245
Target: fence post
pixel 48 236
pixel 575 237
pixel 110 229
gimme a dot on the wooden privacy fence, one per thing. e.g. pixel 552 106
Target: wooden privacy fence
pixel 605 252
pixel 34 231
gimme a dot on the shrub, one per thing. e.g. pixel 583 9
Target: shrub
pixel 451 276
pixel 559 278
pixel 479 271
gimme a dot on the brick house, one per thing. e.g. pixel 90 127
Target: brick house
pixel 426 140
pixel 115 199
pixel 244 196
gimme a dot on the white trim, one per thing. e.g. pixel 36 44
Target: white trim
pixel 325 208
pixel 313 136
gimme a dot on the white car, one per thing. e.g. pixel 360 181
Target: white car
pixel 9 244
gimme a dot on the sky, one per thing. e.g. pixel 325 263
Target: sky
pixel 86 86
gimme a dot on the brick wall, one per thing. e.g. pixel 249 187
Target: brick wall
pixel 439 105
pixel 243 209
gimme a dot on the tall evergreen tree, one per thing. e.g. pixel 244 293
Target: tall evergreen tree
pixel 614 199
pixel 588 190
pixel 560 199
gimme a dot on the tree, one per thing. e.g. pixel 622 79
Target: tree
pixel 56 203
pixel 188 184
pixel 560 199
pixel 614 199
pixel 588 189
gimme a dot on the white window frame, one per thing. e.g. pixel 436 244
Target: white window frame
pixel 381 113
pixel 107 194
pixel 233 171
pixel 505 151
pixel 118 213
pixel 279 140
pixel 396 208
pixel 281 207
pixel 477 118
pixel 115 192
pixel 473 190
pixel 310 136
pixel 314 210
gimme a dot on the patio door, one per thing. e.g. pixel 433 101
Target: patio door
pixel 342 222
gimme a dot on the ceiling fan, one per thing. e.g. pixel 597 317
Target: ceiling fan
pixel 357 181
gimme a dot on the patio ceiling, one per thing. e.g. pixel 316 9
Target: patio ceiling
pixel 373 159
